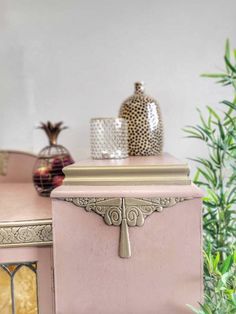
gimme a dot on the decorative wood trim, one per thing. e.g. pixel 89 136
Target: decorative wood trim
pixel 26 233
pixel 18 152
pixel 124 212
pixel 152 170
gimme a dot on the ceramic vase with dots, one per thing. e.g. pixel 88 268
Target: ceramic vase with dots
pixel 145 128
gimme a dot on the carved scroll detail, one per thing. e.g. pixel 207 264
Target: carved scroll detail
pixel 125 212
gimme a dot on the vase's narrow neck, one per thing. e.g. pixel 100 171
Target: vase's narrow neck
pixel 139 88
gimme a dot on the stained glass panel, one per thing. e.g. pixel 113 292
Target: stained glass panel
pixel 18 288
pixel 25 291
pixel 5 292
pixel 11 267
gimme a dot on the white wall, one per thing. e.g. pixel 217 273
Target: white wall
pixel 72 60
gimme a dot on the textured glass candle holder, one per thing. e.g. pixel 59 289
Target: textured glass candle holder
pixel 109 138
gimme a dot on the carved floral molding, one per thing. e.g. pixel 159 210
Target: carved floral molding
pixel 26 233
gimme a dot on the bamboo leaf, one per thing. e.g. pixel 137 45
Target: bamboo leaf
pixel 216 261
pixel 206 309
pixel 214 75
pixel 227 49
pixel 221 129
pixel 229 104
pixel 231 193
pixel 212 111
pixel 229 65
pixel 226 265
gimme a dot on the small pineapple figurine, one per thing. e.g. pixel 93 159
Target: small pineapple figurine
pixel 47 173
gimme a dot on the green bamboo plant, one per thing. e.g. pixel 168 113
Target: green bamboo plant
pixel 216 174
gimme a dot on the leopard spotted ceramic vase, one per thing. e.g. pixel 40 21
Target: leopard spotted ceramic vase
pixel 145 129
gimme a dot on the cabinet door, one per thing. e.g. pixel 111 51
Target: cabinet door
pixel 26 280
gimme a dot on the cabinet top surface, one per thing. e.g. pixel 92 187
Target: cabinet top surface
pixel 20 201
pixel 157 161
pixel 152 170
pixel 190 191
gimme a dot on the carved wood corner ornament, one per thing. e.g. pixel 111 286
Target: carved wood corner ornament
pixel 124 212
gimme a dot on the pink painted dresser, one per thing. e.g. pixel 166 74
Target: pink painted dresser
pixel 25 239
pixel 127 238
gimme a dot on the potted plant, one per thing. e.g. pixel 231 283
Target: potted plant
pixel 216 173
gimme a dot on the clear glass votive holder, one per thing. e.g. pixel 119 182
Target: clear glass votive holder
pixel 109 138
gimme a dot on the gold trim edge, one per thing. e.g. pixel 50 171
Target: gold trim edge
pixel 166 174
pixel 123 182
